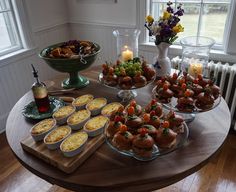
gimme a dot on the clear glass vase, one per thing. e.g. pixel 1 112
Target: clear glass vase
pixel 195 55
pixel 127 49
pixel 126 43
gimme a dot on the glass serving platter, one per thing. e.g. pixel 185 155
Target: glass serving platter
pixel 180 141
pixel 124 94
pixel 188 116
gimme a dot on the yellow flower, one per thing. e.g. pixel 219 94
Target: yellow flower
pixel 166 15
pixel 178 28
pixel 149 19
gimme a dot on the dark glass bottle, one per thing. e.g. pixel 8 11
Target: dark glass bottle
pixel 40 94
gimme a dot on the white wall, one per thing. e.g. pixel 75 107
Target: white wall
pixel 105 12
pixel 95 20
pixel 46 13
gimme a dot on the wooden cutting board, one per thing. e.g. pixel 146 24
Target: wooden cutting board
pixel 56 158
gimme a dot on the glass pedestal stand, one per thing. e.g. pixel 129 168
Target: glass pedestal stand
pixel 127 95
pixel 74 81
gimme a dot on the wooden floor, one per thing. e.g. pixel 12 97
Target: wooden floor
pixel 217 176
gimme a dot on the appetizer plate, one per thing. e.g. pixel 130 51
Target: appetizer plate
pixel 30 110
pixel 124 94
pixel 180 141
pixel 188 116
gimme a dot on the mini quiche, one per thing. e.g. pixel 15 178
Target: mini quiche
pixel 111 108
pixel 78 119
pixel 96 105
pixel 96 125
pixel 42 128
pixel 74 144
pixel 81 101
pixel 54 138
pixel 63 113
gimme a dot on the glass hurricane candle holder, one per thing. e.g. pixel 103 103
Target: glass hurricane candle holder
pixel 195 55
pixel 127 43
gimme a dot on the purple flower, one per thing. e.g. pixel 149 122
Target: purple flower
pixel 169 9
pixel 165 32
pixel 180 12
pixel 161 24
pixel 169 3
pixel 179 6
pixel 173 21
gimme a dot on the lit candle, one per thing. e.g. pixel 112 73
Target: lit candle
pixel 195 69
pixel 127 54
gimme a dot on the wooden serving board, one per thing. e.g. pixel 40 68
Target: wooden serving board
pixel 56 158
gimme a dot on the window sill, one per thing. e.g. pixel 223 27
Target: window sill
pixel 16 56
pixel 176 50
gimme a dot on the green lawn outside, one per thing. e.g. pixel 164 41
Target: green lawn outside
pixel 213 25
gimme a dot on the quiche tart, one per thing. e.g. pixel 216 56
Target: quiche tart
pixel 41 129
pixel 96 105
pixel 54 138
pixel 74 144
pixel 77 119
pixel 63 113
pixel 96 125
pixel 81 101
pixel 111 108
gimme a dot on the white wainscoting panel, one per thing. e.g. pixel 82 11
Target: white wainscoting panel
pixel 16 77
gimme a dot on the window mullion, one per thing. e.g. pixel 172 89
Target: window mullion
pixel 10 29
pixel 5 10
pixel 13 32
pixel 200 18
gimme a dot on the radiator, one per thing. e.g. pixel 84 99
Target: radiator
pixel 225 78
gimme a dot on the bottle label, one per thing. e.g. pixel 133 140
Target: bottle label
pixel 39 92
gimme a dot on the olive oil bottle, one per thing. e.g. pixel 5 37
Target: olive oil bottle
pixel 40 93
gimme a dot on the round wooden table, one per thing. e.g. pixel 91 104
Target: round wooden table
pixel 107 170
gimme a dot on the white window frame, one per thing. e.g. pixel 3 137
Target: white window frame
pixel 13 32
pixel 25 32
pixel 227 54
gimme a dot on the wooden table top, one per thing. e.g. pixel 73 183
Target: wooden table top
pixel 107 170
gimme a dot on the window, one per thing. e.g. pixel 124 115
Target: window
pixel 9 35
pixel 201 17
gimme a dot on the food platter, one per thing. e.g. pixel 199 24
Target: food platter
pixel 145 132
pixel 180 141
pixel 127 76
pixel 172 104
pixel 123 94
pixel 186 94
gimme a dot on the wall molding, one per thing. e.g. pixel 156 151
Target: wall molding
pixel 103 24
pixel 51 26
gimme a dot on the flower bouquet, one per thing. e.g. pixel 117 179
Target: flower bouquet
pixel 165 31
pixel 167 27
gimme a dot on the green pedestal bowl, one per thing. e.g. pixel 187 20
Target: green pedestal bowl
pixel 71 66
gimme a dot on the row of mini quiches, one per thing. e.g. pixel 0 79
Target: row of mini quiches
pixel 61 137
pixel 68 114
pixel 88 102
pixel 96 106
